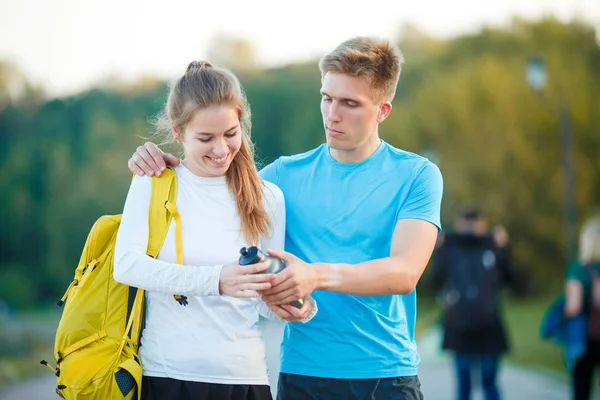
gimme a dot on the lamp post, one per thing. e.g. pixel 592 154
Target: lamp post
pixel 536 76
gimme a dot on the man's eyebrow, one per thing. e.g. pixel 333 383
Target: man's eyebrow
pixel 343 99
pixel 210 133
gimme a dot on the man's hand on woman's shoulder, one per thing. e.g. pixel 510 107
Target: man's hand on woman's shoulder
pixel 150 160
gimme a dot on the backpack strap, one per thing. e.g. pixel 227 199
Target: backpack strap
pixel 162 209
pixel 164 189
pixel 178 236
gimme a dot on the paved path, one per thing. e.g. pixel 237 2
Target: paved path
pixel 438 383
pixel 435 374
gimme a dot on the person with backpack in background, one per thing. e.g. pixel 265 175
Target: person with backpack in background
pixel 205 342
pixel 582 295
pixel 471 265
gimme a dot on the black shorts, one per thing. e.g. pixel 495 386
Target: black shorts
pixel 299 387
pixel 173 389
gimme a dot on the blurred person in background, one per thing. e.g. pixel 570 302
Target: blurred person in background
pixel 471 265
pixel 582 295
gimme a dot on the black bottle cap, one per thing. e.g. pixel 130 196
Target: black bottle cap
pixel 250 255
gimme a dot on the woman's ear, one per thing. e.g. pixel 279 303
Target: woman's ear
pixel 176 133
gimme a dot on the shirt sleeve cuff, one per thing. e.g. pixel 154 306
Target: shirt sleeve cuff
pixel 209 280
pixel 314 310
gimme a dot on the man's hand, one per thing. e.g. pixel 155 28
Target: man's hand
pixel 297 281
pixel 239 280
pixel 150 160
pixel 291 313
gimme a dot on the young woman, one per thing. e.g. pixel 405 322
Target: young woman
pixel 583 295
pixel 208 346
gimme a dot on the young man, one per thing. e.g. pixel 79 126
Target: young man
pixel 362 222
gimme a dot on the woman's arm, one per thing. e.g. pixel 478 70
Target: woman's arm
pixel 132 266
pixel 573 298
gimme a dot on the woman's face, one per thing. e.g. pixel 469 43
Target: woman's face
pixel 211 140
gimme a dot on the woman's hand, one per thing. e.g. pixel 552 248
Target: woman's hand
pixel 244 280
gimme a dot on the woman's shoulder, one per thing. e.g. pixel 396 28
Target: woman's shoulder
pixel 271 189
pixel 576 270
pixel 272 193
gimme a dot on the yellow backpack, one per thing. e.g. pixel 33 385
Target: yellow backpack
pixel 97 339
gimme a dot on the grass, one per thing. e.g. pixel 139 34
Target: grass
pixel 523 320
pixel 428 314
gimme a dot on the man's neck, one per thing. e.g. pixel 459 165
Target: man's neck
pixel 358 154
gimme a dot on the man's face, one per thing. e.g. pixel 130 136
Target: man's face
pixel 350 114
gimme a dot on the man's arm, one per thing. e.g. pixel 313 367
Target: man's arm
pixel 412 244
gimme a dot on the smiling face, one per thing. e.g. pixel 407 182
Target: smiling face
pixel 351 116
pixel 211 139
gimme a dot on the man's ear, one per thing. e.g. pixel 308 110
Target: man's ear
pixel 384 110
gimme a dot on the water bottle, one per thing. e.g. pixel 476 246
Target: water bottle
pixel 254 255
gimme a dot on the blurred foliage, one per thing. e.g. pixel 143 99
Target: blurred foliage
pixel 463 101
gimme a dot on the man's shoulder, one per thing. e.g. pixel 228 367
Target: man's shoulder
pixel 301 159
pixel 407 160
pixel 283 165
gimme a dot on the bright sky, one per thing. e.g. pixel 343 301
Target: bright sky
pixel 67 45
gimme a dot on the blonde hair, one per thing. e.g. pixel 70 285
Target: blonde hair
pixel 589 241
pixel 203 86
pixel 377 60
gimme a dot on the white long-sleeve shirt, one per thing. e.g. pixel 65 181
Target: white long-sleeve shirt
pixel 214 339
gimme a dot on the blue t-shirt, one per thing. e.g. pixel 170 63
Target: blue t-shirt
pixel 346 213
